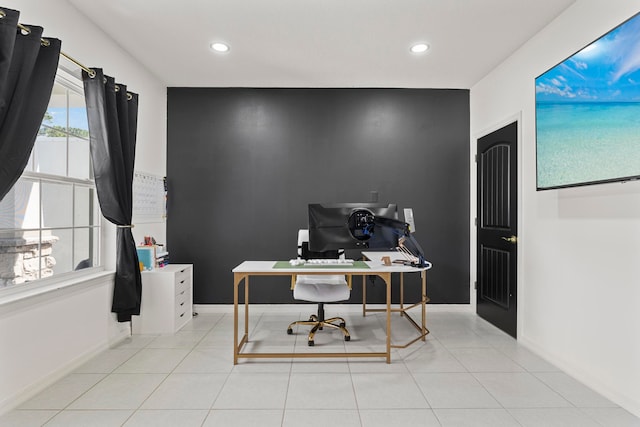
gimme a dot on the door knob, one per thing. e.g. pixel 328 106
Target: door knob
pixel 512 239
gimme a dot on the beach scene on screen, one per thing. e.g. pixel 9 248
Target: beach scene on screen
pixel 588 113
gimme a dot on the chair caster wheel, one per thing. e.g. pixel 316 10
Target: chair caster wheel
pixel 289 331
pixel 347 338
pixel 311 343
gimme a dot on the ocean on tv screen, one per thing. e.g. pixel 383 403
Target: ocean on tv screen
pixel 587 142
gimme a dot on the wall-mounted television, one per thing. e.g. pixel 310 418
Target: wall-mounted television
pixel 588 113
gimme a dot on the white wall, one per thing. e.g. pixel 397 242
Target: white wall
pixel 579 272
pixel 45 338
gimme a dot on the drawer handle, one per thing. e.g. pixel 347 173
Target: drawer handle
pixel 183 270
pixel 182 281
pixel 181 304
pixel 182 293
pixel 182 315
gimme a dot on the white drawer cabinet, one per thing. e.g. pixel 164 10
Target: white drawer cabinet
pixel 167 300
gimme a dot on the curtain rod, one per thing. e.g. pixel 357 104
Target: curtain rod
pixel 45 42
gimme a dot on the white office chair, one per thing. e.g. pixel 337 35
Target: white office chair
pixel 320 289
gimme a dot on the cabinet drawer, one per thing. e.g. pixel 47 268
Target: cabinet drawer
pixel 183 274
pixel 182 316
pixel 183 300
pixel 182 284
pixel 183 307
pixel 182 288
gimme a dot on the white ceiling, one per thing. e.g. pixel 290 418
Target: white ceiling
pixel 321 43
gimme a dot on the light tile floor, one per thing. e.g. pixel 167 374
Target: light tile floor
pixel 467 373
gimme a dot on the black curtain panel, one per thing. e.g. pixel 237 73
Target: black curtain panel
pixel 28 65
pixel 112 114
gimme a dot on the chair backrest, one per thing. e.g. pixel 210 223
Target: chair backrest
pixel 303 292
pixel 305 253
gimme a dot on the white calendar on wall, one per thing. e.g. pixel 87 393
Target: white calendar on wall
pixel 149 198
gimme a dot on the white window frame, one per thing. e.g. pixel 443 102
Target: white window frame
pixel 70 79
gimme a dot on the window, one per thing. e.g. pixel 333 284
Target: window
pixel 49 221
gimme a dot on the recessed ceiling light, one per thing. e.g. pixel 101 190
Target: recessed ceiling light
pixel 419 48
pixel 220 47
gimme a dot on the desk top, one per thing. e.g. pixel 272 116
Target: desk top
pixel 393 255
pixel 374 266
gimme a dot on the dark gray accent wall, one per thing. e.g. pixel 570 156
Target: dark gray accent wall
pixel 242 165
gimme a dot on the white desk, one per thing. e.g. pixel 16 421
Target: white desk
pixel 376 257
pixel 244 271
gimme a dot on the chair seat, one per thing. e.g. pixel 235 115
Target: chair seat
pixel 329 291
pixel 320 289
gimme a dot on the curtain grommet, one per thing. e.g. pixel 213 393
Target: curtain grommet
pixel 24 30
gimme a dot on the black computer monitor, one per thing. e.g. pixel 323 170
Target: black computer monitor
pixel 350 226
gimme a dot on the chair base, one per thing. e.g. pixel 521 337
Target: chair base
pixel 319 324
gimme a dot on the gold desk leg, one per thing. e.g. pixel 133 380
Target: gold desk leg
pixel 401 294
pixel 237 278
pixel 424 304
pixel 246 307
pixel 364 296
pixel 387 278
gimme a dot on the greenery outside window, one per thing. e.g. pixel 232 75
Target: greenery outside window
pixel 49 221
